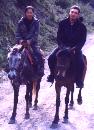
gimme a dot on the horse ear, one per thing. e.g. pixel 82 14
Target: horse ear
pixel 59 53
pixel 72 49
pixel 9 49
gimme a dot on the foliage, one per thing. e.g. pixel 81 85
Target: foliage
pixel 63 3
pixel 85 1
pixel 23 2
pixel 50 12
pixel 92 3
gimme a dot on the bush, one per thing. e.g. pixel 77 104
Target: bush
pixel 63 3
pixel 3 51
pixel 24 2
pixel 85 1
pixel 92 3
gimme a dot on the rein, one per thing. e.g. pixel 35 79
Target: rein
pixel 29 56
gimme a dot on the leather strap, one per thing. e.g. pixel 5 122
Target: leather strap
pixel 29 56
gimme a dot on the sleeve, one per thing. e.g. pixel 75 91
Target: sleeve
pixel 82 39
pixel 33 36
pixel 18 34
pixel 59 35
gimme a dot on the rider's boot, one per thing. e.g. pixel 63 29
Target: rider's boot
pixel 50 77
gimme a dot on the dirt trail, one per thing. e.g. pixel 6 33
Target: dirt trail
pixel 80 118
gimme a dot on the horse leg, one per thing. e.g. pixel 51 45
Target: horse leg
pixel 66 105
pixel 79 99
pixel 72 101
pixel 27 115
pixel 30 95
pixel 37 87
pixel 56 118
pixel 16 94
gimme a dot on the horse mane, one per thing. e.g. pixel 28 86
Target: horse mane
pixel 14 48
pixel 67 53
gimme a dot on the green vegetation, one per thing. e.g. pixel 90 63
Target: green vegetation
pixel 50 12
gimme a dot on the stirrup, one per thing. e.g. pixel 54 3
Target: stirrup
pixel 50 78
pixel 79 84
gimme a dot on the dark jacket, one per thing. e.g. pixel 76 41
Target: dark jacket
pixel 28 30
pixel 71 35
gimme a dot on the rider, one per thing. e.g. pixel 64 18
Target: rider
pixel 71 33
pixel 27 34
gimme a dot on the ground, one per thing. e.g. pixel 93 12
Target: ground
pixel 80 118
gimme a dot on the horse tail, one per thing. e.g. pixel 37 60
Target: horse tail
pixel 34 88
pixel 85 66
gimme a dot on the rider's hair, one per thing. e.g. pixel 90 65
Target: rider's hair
pixel 29 7
pixel 75 7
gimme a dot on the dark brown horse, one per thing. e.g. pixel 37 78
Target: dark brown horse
pixel 22 70
pixel 66 76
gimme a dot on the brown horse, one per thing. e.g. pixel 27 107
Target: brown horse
pixel 66 76
pixel 22 70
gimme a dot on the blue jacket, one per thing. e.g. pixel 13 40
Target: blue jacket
pixel 28 30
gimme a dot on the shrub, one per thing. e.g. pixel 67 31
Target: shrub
pixel 92 3
pixel 85 1
pixel 63 3
pixel 24 2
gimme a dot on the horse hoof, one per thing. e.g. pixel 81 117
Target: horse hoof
pixel 70 106
pixel 27 116
pixel 30 105
pixel 35 108
pixel 65 120
pixel 54 126
pixel 79 101
pixel 12 121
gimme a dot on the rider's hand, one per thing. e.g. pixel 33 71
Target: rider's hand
pixel 73 49
pixel 20 42
pixel 24 43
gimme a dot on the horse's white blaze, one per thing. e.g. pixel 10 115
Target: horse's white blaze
pixel 64 73
pixel 58 73
pixel 12 73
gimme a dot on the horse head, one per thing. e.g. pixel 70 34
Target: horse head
pixel 14 60
pixel 64 58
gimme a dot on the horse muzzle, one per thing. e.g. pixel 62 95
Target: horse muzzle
pixel 12 74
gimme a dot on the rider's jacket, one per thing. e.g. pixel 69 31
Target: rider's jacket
pixel 71 35
pixel 28 30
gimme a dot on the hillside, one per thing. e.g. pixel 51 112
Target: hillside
pixel 50 12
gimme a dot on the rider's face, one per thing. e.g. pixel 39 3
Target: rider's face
pixel 74 14
pixel 29 14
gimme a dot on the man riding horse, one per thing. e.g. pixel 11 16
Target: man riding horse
pixel 71 33
pixel 27 35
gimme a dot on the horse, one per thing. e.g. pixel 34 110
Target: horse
pixel 21 70
pixel 65 75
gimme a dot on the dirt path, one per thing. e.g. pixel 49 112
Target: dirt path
pixel 80 118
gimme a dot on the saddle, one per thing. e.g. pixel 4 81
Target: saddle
pixel 29 52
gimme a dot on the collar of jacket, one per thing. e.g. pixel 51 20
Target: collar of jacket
pixel 26 21
pixel 77 21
